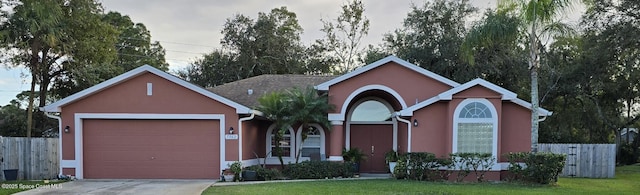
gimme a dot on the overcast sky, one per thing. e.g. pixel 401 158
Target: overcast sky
pixel 189 28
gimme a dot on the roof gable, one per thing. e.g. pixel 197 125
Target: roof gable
pixel 506 94
pixel 56 106
pixel 448 95
pixel 325 86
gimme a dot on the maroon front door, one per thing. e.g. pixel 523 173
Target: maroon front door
pixel 375 141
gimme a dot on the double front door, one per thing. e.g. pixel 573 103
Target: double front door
pixel 374 140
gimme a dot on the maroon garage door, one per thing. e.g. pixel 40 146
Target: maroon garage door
pixel 151 149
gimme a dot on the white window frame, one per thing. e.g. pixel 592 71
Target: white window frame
pixel 493 120
pixel 291 145
pixel 322 139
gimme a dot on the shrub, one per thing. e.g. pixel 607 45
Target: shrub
pixel 541 167
pixel 628 154
pixel 318 170
pixel 460 161
pixel 478 163
pixel 236 168
pixel 264 173
pixel 420 166
pixel 400 171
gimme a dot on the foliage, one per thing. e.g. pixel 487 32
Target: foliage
pixel 236 168
pixel 274 108
pixel 344 35
pixel 431 37
pixel 391 156
pixel 625 182
pixel 542 168
pixel 354 155
pixel 478 163
pixel 318 170
pixel 306 107
pixel 629 154
pixel 269 44
pixel 265 174
pixel 50 38
pixel 13 120
pixel 422 166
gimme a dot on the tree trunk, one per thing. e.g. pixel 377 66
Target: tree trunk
pixel 30 105
pixel 534 110
pixel 534 64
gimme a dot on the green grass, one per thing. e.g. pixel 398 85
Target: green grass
pixel 627 181
pixel 11 187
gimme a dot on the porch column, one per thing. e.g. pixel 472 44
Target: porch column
pixel 336 138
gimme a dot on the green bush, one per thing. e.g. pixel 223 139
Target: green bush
pixel 478 163
pixel 264 173
pixel 421 166
pixel 318 170
pixel 541 167
pixel 628 154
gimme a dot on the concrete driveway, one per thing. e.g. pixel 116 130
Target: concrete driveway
pixel 108 187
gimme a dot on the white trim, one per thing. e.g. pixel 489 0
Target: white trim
pixel 68 164
pixel 497 166
pixel 506 94
pixel 291 146
pixel 240 134
pixel 542 111
pixel 494 120
pixel 337 122
pixel 325 86
pixel 56 106
pixel 322 140
pixel 345 104
pixel 336 158
pixel 286 160
pixel 409 125
pixel 447 95
pixel 79 117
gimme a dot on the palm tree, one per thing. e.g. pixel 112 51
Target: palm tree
pixel 535 16
pixel 308 107
pixel 274 107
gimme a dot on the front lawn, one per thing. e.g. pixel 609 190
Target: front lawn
pixel 11 187
pixel 627 181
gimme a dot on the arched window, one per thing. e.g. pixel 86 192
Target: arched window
pixel 371 110
pixel 475 127
pixel 286 144
pixel 314 146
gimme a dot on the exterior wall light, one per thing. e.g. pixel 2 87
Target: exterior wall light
pixel 415 122
pixel 67 129
pixel 230 130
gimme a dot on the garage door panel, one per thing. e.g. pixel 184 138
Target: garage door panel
pixel 152 149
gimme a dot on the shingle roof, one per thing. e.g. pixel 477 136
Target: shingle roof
pixel 238 91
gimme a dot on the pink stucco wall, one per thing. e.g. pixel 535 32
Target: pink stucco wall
pixel 432 133
pixel 408 83
pixel 516 125
pixel 130 96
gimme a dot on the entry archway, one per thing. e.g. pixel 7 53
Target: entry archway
pixel 372 128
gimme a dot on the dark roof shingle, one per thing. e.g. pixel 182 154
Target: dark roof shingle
pixel 238 91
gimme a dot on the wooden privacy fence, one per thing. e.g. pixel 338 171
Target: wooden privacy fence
pixel 39 161
pixel 585 160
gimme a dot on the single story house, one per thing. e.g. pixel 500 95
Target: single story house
pixel 147 123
